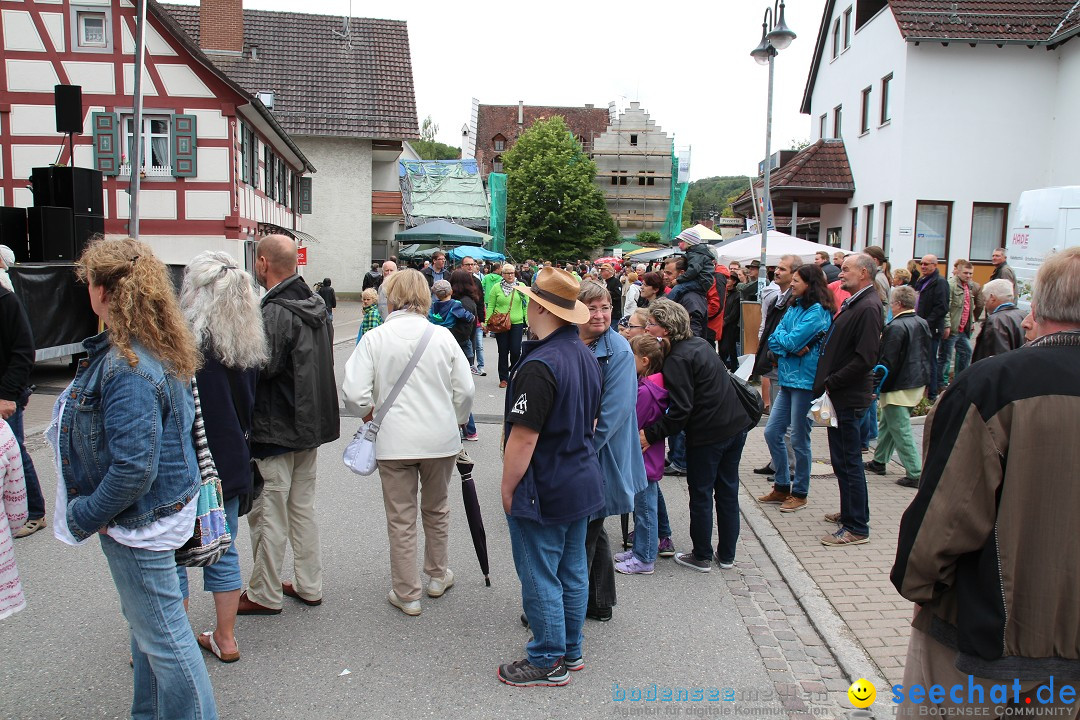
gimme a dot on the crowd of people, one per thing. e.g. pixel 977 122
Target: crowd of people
pixel 602 368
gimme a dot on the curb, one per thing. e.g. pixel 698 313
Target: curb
pixel 841 642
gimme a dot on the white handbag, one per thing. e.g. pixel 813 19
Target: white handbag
pixel 359 456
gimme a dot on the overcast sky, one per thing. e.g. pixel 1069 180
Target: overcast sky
pixel 688 63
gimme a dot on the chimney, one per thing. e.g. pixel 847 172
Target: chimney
pixel 521 112
pixel 221 26
pixel 588 106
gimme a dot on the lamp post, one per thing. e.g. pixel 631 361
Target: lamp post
pixel 775 36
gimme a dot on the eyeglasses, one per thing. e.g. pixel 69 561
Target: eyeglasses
pixel 603 310
pixel 652 324
pixel 628 326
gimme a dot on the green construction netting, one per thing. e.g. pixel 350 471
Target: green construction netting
pixel 450 191
pixel 497 222
pixel 673 224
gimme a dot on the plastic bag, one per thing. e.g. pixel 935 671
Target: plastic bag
pixel 823 411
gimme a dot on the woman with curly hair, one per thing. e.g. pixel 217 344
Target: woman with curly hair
pixel 127 470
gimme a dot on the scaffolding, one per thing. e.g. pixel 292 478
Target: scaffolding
pixel 443 189
pixel 497 223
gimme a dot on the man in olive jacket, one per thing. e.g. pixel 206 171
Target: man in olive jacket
pixel 296 410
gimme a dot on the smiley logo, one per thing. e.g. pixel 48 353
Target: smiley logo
pixel 862 693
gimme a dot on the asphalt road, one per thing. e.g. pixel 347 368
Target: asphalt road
pixel 66 654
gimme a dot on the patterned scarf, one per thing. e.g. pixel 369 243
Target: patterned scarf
pixel 508 287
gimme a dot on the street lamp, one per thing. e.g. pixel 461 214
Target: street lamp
pixel 774 37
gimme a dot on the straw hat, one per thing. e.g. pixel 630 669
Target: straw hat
pixel 557 290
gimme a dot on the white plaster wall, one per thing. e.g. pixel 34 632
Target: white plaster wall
pixel 213 164
pixel 32 120
pixel 384 176
pixel 19 31
pixel 207 204
pixel 31 76
pixel 54 25
pixel 341 204
pixel 153 205
pixel 1065 153
pixel 96 78
pixel 211 124
pixel 181 81
pixel 24 158
pixel 148 86
pixel 180 249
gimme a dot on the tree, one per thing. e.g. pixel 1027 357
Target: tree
pixel 648 237
pixel 428 148
pixel 554 209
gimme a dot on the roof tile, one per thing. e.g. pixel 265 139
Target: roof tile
pixel 986 20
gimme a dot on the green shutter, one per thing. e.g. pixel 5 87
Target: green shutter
pixel 305 196
pixel 106 142
pixel 183 129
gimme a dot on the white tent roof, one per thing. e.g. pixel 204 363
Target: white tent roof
pixel 779 244
pixel 705 233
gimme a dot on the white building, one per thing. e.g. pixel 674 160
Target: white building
pixel 947 111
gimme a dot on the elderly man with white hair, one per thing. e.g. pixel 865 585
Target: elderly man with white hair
pixel 1001 331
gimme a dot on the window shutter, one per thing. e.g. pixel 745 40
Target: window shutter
pixel 183 146
pixel 305 196
pixel 106 142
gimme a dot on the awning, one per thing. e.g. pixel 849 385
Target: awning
pixel 301 237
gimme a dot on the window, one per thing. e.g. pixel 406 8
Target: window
pixel 836 38
pixel 832 236
pixel 500 143
pixel 155 143
pixel 854 228
pixel 496 164
pixel 281 181
pixel 822 124
pixel 933 220
pixel 987 229
pixel 864 126
pixel 886 113
pixel 868 215
pixel 847 28
pixel 886 225
pixel 633 141
pixel 268 171
pixel 245 154
pixel 92 29
pixel 837 116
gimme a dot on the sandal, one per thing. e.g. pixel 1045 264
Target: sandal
pixel 206 642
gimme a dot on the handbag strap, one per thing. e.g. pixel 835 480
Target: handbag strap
pixel 403 378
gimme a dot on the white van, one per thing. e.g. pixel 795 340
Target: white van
pixel 1046 221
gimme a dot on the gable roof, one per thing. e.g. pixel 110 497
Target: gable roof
pixel 496 120
pixel 998 22
pixel 821 168
pixel 323 83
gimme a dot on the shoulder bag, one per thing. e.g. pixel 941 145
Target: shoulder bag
pixel 359 456
pixel 210 538
pixel 500 322
pixel 749 398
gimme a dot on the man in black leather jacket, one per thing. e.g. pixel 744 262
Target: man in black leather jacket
pixel 905 354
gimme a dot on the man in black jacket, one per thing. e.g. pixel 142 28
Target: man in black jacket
pixel 296 411
pixel 847 357
pixel 695 303
pixel 905 354
pixel 932 305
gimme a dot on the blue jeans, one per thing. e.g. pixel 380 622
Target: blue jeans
pixel 35 501
pixel 478 347
pixel 224 575
pixel 790 410
pixel 846 454
pixel 509 343
pixel 677 450
pixel 645 536
pixel 470 425
pixel 868 427
pixel 170 677
pixel 961 343
pixel 663 525
pixel 935 369
pixel 712 475
pixel 550 563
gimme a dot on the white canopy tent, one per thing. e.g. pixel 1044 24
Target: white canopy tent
pixel 748 248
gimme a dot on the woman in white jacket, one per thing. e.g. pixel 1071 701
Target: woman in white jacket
pixel 419 439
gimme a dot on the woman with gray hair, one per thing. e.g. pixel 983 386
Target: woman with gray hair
pixel 218 299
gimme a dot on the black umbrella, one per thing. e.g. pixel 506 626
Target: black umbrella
pixel 472 511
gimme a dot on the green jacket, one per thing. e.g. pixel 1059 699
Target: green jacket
pixel 956 304
pixel 497 302
pixel 488 280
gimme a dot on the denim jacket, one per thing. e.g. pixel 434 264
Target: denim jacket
pixel 126 448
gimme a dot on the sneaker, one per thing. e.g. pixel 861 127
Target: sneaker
pixel 629 541
pixel 832 517
pixel 31 527
pixel 437 586
pixel 472 438
pixel 843 537
pixel 479 371
pixel 475 371
pixel 524 674
pixel 574 664
pixel 793 504
pixel 688 560
pixel 633 566
pixel 411 608
pixel 723 565
pixel 774 497
pixel 623 556
pixel 674 470
pixel 909 482
pixel 666 548
pixel 598 614
pixel 766 470
pixel 875 467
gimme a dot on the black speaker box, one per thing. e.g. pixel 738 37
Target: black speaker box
pixel 69 110
pixel 86 227
pixel 52 234
pixel 13 231
pixel 70 187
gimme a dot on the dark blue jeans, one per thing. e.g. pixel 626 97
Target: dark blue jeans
pixel 935 369
pixel 845 451
pixel 663 525
pixel 868 427
pixel 677 450
pixel 35 501
pixel 509 343
pixel 712 475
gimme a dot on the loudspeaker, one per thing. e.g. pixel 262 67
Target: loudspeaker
pixel 52 234
pixel 70 187
pixel 69 110
pixel 86 227
pixel 13 230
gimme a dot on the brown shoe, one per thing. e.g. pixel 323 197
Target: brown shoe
pixel 844 537
pixel 502 383
pixel 792 504
pixel 832 517
pixel 288 589
pixel 31 527
pixel 247 606
pixel 775 497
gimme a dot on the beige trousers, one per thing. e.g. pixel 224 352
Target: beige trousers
pixel 930 663
pixel 285 510
pixel 399 485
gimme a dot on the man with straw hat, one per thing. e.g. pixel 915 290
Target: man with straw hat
pixel 551 405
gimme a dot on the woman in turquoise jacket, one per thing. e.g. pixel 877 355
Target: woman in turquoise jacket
pixel 797 345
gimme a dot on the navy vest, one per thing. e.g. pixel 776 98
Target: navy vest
pixel 564 482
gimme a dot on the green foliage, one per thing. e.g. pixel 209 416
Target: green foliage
pixel 553 207
pixel 647 237
pixel 715 194
pixel 428 148
pixel 798 144
pixel 688 219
